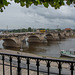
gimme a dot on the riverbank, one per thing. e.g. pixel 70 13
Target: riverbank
pixel 53 64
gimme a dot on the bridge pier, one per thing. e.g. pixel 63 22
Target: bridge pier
pixel 14 41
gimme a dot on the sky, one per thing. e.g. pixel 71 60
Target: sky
pixel 16 17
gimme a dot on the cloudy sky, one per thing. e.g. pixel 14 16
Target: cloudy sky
pixel 15 16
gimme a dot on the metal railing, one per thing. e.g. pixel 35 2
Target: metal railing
pixel 33 64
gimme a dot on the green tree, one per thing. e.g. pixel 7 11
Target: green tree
pixel 73 30
pixel 54 3
pixel 58 29
pixel 29 29
pixel 23 29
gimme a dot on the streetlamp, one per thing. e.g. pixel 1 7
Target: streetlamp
pixel 21 49
pixel 57 26
pixel 7 29
pixel 33 28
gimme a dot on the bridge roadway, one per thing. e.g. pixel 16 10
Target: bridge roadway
pixel 18 39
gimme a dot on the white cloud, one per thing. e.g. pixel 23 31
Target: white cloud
pixel 16 16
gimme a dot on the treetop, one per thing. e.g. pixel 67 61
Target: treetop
pixel 53 3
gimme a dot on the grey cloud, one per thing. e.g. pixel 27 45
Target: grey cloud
pixel 50 13
pixel 37 16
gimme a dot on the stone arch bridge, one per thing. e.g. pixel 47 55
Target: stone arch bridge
pixel 17 39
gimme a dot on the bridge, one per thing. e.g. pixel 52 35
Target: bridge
pixel 17 39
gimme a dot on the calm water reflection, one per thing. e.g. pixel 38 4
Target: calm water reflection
pixel 52 48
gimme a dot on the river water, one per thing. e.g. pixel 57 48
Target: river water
pixel 52 48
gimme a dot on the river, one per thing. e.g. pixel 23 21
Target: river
pixel 52 48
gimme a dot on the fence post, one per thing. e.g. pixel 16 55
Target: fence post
pixel 48 65
pixel 10 65
pixel 37 64
pixel 28 62
pixel 19 68
pixel 3 65
pixel 71 68
pixel 59 67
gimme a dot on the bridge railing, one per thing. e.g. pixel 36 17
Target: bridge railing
pixel 23 65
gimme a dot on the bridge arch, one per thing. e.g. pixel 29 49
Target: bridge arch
pixel 49 37
pixel 10 43
pixel 33 38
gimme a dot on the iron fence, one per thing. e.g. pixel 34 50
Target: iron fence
pixel 36 64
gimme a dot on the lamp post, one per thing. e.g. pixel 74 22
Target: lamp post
pixel 21 49
pixel 7 29
pixel 33 28
pixel 57 26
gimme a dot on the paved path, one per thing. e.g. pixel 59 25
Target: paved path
pixel 53 70
pixel 33 68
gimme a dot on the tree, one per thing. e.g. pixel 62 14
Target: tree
pixel 54 3
pixel 58 30
pixel 23 29
pixel 29 29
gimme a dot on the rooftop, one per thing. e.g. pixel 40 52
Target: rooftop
pixel 67 29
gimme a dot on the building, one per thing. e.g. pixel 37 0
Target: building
pixel 68 30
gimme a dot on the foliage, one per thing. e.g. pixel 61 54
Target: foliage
pixel 58 29
pixel 3 3
pixel 29 29
pixel 18 30
pixel 24 30
pixel 21 30
pixel 73 30
pixel 54 3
